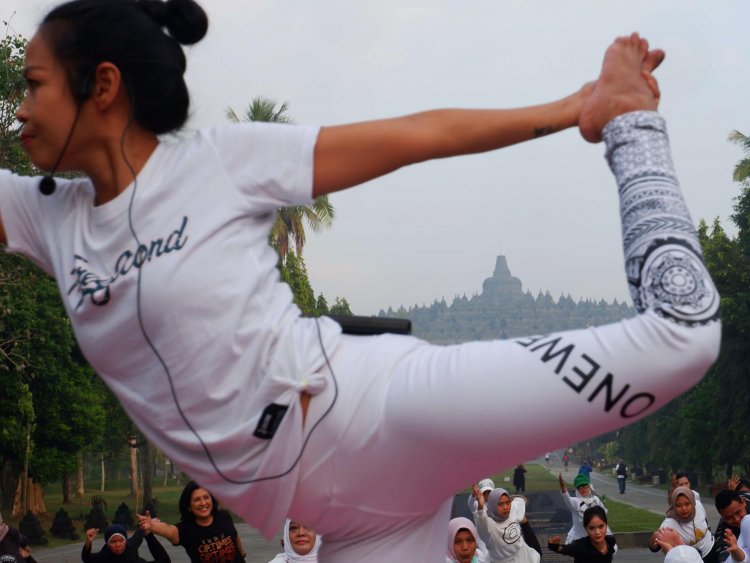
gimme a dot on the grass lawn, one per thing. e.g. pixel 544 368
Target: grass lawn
pixel 538 478
pixel 166 508
pixel 622 517
pixel 626 518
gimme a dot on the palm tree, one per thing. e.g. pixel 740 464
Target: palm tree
pixel 742 169
pixel 741 215
pixel 289 226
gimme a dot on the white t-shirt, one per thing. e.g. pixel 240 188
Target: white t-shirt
pixel 504 540
pixel 227 338
pixel 694 533
pixel 743 541
pixel 577 506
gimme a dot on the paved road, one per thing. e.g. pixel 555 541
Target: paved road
pixel 261 551
pixel 647 497
pixel 643 496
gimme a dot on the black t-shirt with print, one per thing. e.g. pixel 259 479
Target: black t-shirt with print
pixel 216 543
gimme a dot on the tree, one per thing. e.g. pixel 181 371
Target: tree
pixel 50 402
pixel 742 168
pixel 341 307
pixel 12 48
pixel 61 411
pixel 321 306
pixel 289 227
pixel 294 272
pixel 741 174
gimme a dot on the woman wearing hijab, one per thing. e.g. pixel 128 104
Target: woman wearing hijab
pixel 300 544
pixel 117 548
pixel 584 498
pixel 499 525
pixel 688 518
pixel 463 541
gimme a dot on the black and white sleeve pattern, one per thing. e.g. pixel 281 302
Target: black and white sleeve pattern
pixel 663 258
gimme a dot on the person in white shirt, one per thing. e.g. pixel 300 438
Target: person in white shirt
pixel 499 525
pixel 688 518
pixel 485 487
pixel 583 499
pixel 160 253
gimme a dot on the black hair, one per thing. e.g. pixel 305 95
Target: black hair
pixel 742 483
pixel 594 512
pixel 681 474
pixel 184 502
pixel 725 498
pixel 128 33
pixel 465 530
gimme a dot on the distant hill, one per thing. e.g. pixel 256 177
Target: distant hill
pixel 505 310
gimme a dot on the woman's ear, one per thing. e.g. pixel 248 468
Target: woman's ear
pixel 106 85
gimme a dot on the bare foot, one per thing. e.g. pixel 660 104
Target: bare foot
pixel 625 84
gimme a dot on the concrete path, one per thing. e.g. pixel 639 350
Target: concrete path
pixel 647 497
pixel 259 550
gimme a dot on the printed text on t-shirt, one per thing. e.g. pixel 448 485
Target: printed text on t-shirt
pixel 96 287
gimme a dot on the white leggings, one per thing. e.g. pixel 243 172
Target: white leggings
pixel 414 423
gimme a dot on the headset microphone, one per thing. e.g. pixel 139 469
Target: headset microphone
pixel 47 185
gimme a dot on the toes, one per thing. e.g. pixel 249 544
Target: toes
pixel 624 41
pixel 643 47
pixel 653 59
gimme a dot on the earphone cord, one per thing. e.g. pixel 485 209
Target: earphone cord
pixel 67 140
pixel 165 368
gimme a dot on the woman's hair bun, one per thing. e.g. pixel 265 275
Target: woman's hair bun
pixel 185 20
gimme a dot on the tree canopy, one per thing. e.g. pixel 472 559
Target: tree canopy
pixel 289 227
pixel 706 428
pixel 51 400
pixel 53 405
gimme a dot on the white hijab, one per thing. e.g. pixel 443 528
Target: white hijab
pixel 292 556
pixel 454 526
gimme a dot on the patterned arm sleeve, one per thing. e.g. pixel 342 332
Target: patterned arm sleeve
pixel 663 258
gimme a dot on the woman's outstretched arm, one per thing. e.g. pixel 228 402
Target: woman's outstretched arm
pixel 347 155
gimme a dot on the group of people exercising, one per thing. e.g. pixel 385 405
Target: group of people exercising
pixel 160 251
pixel 500 531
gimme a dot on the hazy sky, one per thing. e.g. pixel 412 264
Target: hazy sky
pixel 434 230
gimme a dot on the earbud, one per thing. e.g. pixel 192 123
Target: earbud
pixel 85 89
